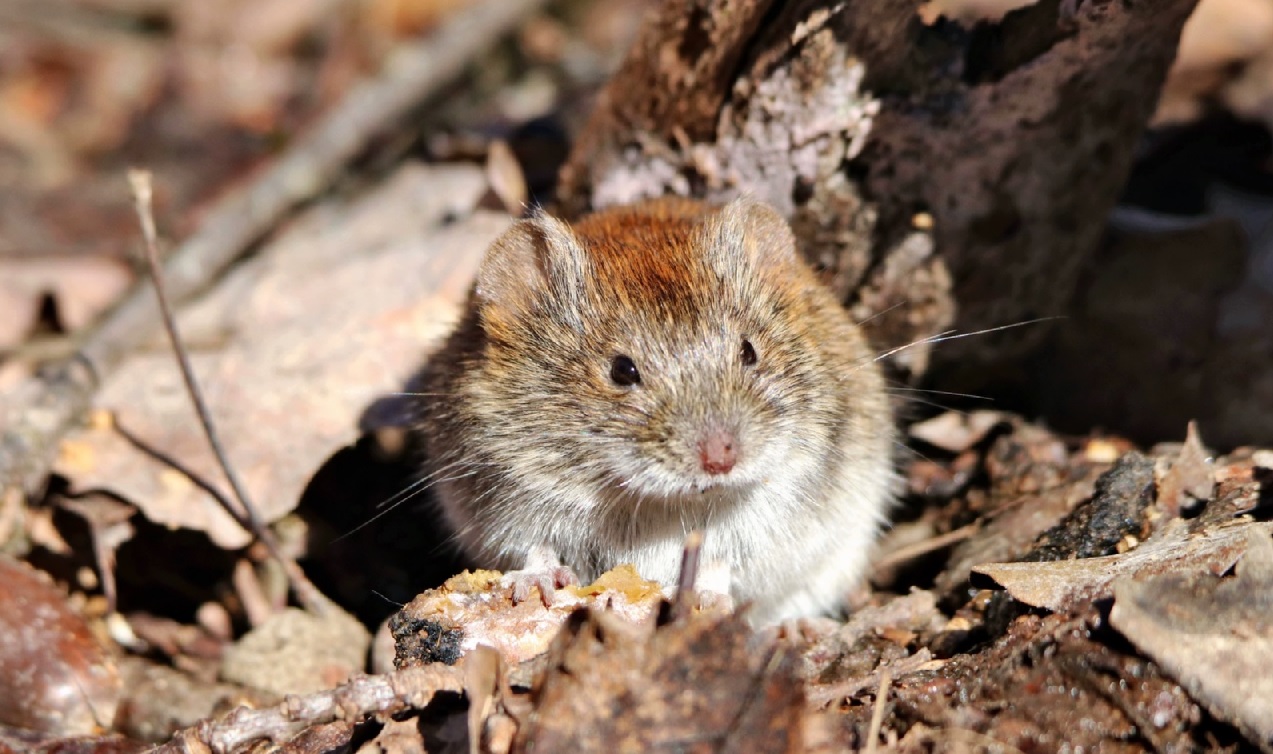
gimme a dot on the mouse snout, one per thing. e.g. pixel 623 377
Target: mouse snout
pixel 718 451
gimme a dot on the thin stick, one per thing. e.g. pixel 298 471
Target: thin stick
pixel 684 600
pixel 176 465
pixel 877 714
pixel 140 182
pixel 919 549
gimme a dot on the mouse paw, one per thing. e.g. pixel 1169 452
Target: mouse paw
pixel 543 571
pixel 546 580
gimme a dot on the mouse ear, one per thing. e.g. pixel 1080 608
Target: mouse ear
pixel 755 231
pixel 537 258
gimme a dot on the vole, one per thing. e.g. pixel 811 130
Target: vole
pixel 650 370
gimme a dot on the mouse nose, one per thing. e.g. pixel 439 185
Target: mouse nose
pixel 718 451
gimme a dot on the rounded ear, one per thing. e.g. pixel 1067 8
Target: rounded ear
pixel 537 256
pixel 751 231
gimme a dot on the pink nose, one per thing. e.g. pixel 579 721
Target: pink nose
pixel 718 452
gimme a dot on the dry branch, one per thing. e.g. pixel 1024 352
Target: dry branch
pixel 40 411
pixel 412 688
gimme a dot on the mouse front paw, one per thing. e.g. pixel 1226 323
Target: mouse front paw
pixel 543 571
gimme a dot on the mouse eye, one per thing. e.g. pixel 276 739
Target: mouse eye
pixel 748 353
pixel 623 371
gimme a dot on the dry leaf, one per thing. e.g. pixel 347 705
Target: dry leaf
pixel 55 677
pixel 505 175
pixel 336 312
pixel 1062 585
pixel 1191 478
pixel 703 684
pixel 1215 636
pixel 956 431
pixel 81 287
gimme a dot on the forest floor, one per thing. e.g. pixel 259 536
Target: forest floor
pixel 1039 590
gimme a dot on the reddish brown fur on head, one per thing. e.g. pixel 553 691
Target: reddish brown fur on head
pixel 690 294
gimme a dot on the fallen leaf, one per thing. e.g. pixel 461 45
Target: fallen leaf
pixel 308 334
pixel 55 677
pixel 1062 585
pixel 1191 478
pixel 506 178
pixel 957 431
pixel 703 684
pixel 80 286
pixel 1214 635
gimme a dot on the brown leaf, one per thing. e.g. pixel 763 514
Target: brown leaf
pixel 1062 585
pixel 305 336
pixel 81 286
pixel 957 431
pixel 504 173
pixel 1191 478
pixel 703 685
pixel 54 675
pixel 297 652
pixel 1214 635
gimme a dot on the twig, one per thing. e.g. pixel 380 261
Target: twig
pixel 139 181
pixel 305 591
pixel 43 409
pixel 919 549
pixel 482 668
pixel 410 688
pixel 877 714
pixel 176 465
pixel 683 602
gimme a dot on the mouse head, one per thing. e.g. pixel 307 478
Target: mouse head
pixel 663 350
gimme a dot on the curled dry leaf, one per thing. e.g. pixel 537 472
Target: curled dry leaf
pixel 55 677
pixel 506 178
pixel 1214 635
pixel 1191 478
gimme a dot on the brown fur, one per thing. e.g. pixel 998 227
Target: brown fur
pixel 532 445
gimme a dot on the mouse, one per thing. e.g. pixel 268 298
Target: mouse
pixel 649 370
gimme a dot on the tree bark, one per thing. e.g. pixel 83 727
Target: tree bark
pixel 939 176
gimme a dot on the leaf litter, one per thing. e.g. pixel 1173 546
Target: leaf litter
pixel 307 329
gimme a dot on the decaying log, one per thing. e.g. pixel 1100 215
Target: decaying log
pixel 939 175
